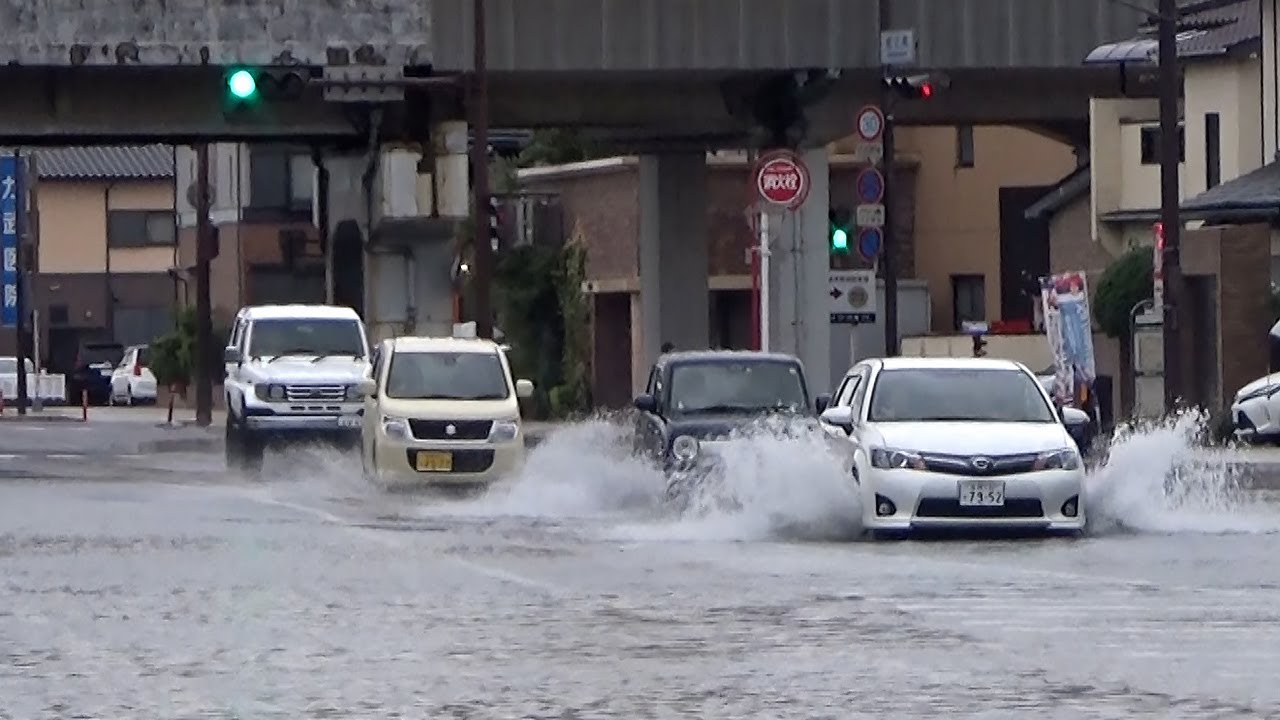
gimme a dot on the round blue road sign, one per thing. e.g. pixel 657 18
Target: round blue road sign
pixel 870 186
pixel 869 241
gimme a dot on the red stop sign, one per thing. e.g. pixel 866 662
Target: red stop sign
pixel 782 179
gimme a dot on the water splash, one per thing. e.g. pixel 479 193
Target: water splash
pixel 1159 478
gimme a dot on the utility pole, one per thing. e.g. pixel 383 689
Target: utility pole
pixel 204 306
pixel 887 269
pixel 481 247
pixel 1170 158
pixel 20 280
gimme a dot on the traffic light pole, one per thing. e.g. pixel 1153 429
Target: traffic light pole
pixel 204 305
pixel 481 248
pixel 888 271
pixel 1170 157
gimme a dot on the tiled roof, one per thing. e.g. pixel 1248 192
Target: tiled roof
pixel 1208 28
pixel 137 162
pixel 1063 193
pixel 1255 195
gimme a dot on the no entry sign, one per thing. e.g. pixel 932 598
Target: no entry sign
pixel 782 179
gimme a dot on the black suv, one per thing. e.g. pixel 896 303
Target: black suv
pixel 95 362
pixel 694 397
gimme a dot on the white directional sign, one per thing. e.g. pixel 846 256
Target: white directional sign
pixel 868 152
pixel 852 296
pixel 898 47
pixel 869 215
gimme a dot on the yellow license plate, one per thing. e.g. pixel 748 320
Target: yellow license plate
pixel 428 461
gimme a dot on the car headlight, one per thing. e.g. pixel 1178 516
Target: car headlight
pixel 886 459
pixel 269 393
pixel 353 393
pixel 394 427
pixel 504 431
pixel 1064 459
pixel 1260 392
pixel 685 448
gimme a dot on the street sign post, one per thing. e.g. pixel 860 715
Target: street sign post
pixel 870 240
pixel 782 179
pixel 870 186
pixel 9 192
pixel 898 47
pixel 852 296
pixel 870 124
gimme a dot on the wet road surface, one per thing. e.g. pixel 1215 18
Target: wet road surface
pixel 178 592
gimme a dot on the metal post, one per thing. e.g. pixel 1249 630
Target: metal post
pixel 20 282
pixel 482 276
pixel 204 306
pixel 322 222
pixel 1170 158
pixel 887 269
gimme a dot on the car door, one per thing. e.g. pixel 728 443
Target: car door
pixel 648 434
pixel 857 406
pixel 120 374
pixel 234 383
pixel 369 425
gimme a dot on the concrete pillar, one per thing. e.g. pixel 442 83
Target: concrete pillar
pixel 799 267
pixel 673 252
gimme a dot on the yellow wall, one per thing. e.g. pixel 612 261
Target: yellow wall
pixel 73 225
pixel 957 214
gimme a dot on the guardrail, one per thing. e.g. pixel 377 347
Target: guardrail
pixel 50 388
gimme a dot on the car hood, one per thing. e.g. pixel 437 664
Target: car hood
pixel 714 427
pixel 334 370
pixel 1260 383
pixel 507 409
pixel 970 438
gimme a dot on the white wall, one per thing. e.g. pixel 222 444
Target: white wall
pixel 1230 88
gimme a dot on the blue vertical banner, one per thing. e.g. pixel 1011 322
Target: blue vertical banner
pixel 10 191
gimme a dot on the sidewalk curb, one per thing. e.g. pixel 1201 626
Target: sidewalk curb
pixel 39 419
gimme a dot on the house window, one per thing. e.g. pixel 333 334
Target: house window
pixel 968 299
pixel 1212 150
pixel 1151 144
pixel 280 179
pixel 964 146
pixel 140 228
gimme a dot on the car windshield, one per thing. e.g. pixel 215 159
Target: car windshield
pixel 957 394
pixel 737 386
pixel 447 376
pixel 95 354
pixel 300 336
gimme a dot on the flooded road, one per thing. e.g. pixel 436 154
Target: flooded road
pixel 180 593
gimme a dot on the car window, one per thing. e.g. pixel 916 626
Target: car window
pixel 845 396
pixel 860 393
pixel 375 362
pixel 301 336
pixel 742 385
pixel 958 394
pixel 447 376
pixel 96 354
pixel 649 386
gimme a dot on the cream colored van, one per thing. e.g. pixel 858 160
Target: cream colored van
pixel 441 411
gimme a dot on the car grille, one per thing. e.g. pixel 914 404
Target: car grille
pixel 1243 422
pixel 462 429
pixel 951 508
pixel 464 461
pixel 315 393
pixel 964 464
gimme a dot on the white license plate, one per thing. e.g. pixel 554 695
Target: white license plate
pixel 981 493
pixel 349 421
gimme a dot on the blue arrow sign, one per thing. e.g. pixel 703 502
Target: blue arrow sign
pixel 870 186
pixel 869 241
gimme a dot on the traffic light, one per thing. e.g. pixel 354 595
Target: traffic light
pixel 916 87
pixel 249 86
pixel 840 222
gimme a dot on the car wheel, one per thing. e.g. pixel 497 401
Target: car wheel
pixel 128 398
pixel 232 446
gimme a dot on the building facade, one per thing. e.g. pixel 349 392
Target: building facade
pixel 105 241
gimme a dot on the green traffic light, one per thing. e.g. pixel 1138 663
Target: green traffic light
pixel 839 239
pixel 242 85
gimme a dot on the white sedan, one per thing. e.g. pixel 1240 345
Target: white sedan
pixel 1255 411
pixel 958 442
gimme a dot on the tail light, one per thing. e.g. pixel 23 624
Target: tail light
pixel 137 368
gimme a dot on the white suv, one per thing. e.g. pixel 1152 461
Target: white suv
pixel 293 374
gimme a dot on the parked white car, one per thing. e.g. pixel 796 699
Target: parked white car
pixel 293 375
pixel 958 442
pixel 1255 411
pixel 441 411
pixel 132 381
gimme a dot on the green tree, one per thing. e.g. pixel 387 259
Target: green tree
pixel 1124 284
pixel 173 354
pixel 557 146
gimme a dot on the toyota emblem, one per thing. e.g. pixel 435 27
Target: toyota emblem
pixel 450 430
pixel 981 463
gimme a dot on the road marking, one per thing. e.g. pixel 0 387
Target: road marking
pixel 63 456
pixel 8 457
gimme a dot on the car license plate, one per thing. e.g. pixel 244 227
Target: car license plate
pixel 981 493
pixel 433 461
pixel 349 421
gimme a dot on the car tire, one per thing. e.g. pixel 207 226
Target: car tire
pixel 244 453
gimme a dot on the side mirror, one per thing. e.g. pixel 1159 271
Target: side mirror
pixel 646 403
pixel 841 417
pixel 1075 417
pixel 231 355
pixel 821 402
pixel 367 387
pixel 524 389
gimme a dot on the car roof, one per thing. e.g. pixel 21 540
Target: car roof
pixel 307 312
pixel 948 363
pixel 410 343
pixel 726 356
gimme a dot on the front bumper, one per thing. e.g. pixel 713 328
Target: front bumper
pixel 1253 419
pixel 469 462
pixel 921 500
pixel 305 427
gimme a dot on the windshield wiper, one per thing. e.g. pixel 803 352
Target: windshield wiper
pixel 295 351
pixel 323 355
pixel 723 409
